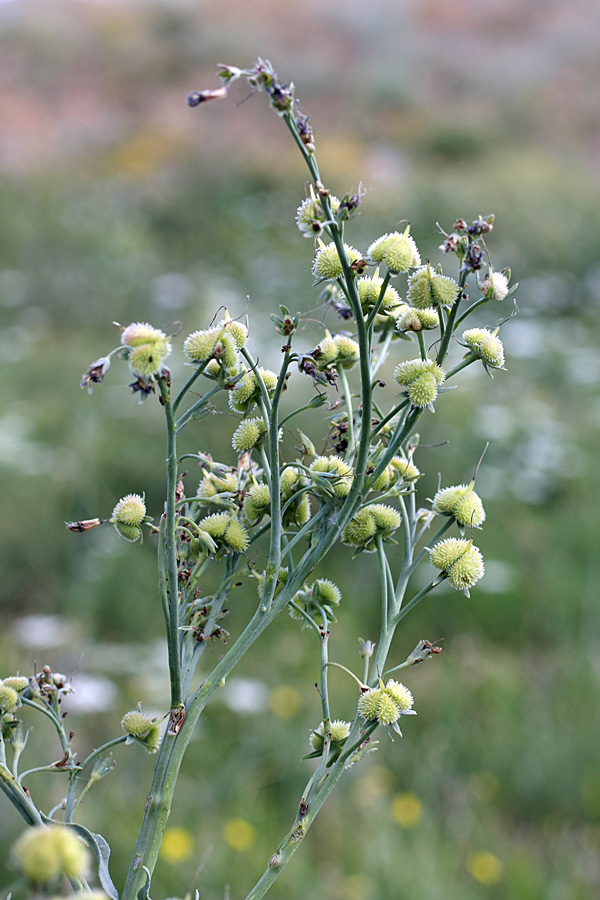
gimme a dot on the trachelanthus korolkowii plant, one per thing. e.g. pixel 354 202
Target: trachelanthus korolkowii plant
pixel 393 307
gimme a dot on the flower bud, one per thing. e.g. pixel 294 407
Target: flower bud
pixel 398 251
pixel 227 530
pixel 131 510
pixel 485 345
pixel 427 288
pixel 248 434
pixel 327 264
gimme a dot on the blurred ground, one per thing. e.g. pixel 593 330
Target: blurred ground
pixel 120 203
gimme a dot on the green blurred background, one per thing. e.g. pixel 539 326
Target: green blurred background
pixel 120 203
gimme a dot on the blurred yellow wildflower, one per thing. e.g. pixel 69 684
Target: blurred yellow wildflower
pixel 177 845
pixel 239 834
pixel 485 867
pixel 285 701
pixel 407 810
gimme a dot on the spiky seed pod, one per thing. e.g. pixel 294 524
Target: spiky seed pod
pixel 385 517
pixel 236 537
pixel 385 479
pixel 407 372
pixel 131 533
pixel 398 251
pixel 405 469
pixel 139 333
pixel 360 529
pixel 136 724
pixel 215 524
pixel 409 319
pixel 282 577
pixel 45 852
pixel 445 553
pixel 486 345
pixel 467 570
pixel 200 345
pixel 400 694
pixel 152 740
pixel 212 485
pixel 495 285
pixel 234 329
pixel 327 264
pixel 326 592
pixel 261 496
pixel 17 682
pixel 469 510
pixel 369 289
pixel 212 369
pixel 368 703
pixel 445 500
pixel 423 390
pixel 130 510
pixel 326 352
pixel 288 480
pixel 427 288
pixel 388 710
pixel 348 351
pixel 310 215
pixel 338 729
pixel 334 465
pixel 299 512
pixel 9 698
pixel 147 359
pixel 248 434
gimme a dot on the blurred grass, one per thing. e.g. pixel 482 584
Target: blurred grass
pixel 121 208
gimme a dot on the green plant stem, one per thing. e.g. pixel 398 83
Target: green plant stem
pixel 19 798
pixel 343 379
pixel 318 790
pixel 189 414
pixel 173 636
pixel 470 358
pixel 196 374
pixel 450 324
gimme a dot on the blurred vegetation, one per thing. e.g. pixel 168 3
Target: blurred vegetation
pixel 121 204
